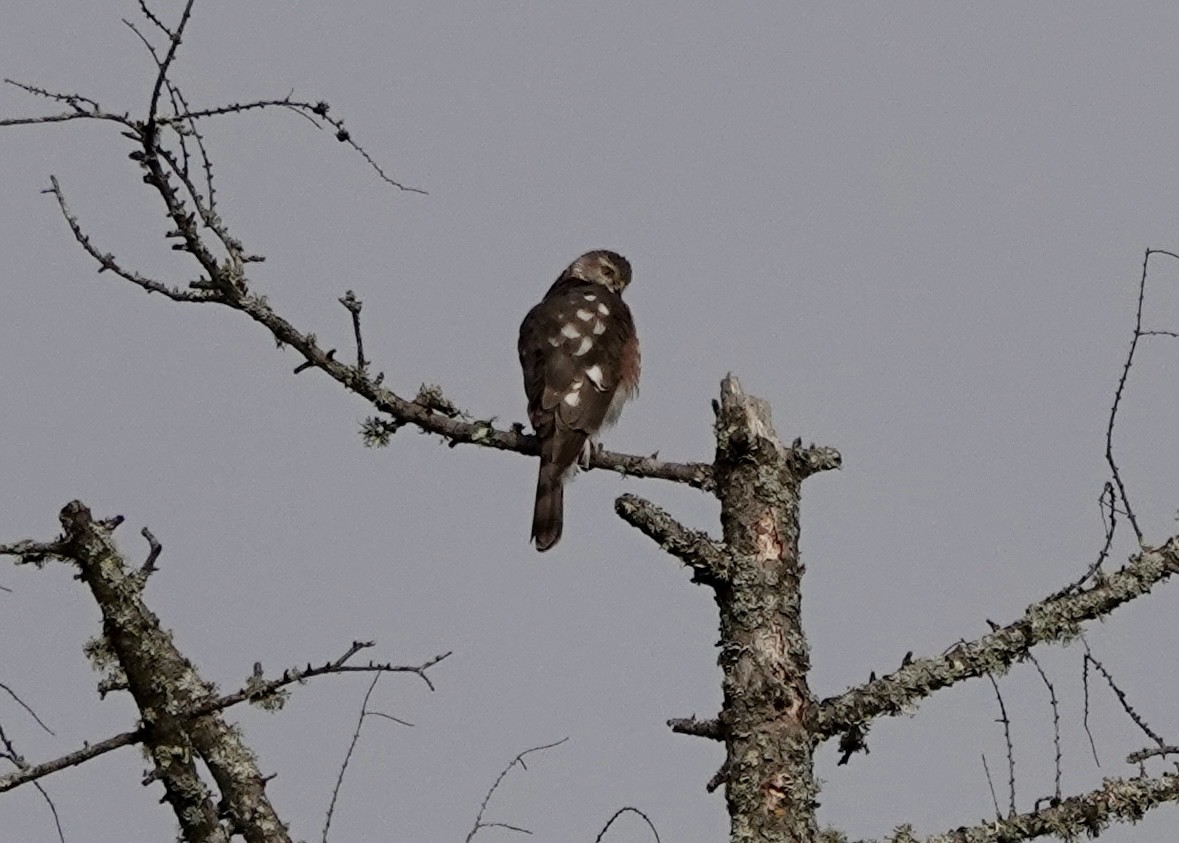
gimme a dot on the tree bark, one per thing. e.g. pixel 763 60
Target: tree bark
pixel 142 659
pixel 768 707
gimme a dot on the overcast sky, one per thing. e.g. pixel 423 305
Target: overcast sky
pixel 916 229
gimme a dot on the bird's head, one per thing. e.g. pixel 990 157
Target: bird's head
pixel 609 269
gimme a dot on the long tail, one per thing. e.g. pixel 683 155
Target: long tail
pixel 547 515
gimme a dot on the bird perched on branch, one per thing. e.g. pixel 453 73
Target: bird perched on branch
pixel 580 357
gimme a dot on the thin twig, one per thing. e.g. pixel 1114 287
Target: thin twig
pixel 147 13
pixel 108 261
pixel 327 823
pixel 312 111
pixel 81 108
pixel 259 689
pixel 1113 412
pixel 10 751
pixel 1055 719
pixel 1106 501
pixel 81 756
pixel 1003 718
pixel 1139 721
pixel 52 809
pixel 206 163
pixel 519 759
pixel 146 43
pixel 387 717
pixel 991 785
pixel 1085 709
pixel 627 810
pixel 74 101
pixel 169 57
pixel 26 707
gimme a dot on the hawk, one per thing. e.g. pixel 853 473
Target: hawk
pixel 580 357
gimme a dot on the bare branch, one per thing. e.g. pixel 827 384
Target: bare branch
pixel 706 556
pixel 327 823
pixel 1056 619
pixel 456 430
pixel 812 459
pixel 55 118
pixel 519 759
pixel 712 729
pixel 991 785
pixel 226 283
pixel 166 688
pixel 1085 815
pixel 10 751
pixel 52 810
pixel 1151 752
pixel 34 553
pixel 1113 411
pixel 81 108
pixel 26 707
pixel 108 261
pixel 385 716
pixel 353 305
pixel 1085 712
pixel 256 689
pixel 627 810
pixel 154 551
pixel 1055 721
pixel 206 163
pixel 147 13
pixel 314 113
pixel 1006 721
pixel 143 39
pixel 18 760
pixel 80 756
pixel 259 689
pixel 175 38
pixel 227 289
pixel 1138 719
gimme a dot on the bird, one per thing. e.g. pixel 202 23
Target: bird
pixel 580 357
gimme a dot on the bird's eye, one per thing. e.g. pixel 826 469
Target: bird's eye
pixel 608 271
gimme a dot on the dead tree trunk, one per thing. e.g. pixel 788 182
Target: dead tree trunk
pixel 767 720
pixel 167 688
pixel 768 772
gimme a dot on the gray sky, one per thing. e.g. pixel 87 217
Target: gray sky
pixel 916 229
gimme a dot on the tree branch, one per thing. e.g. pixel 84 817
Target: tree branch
pixel 695 548
pixel 256 689
pixel 73 759
pixel 1084 815
pixel 164 685
pixel 518 760
pixel 1056 619
pixel 713 729
pixel 225 282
